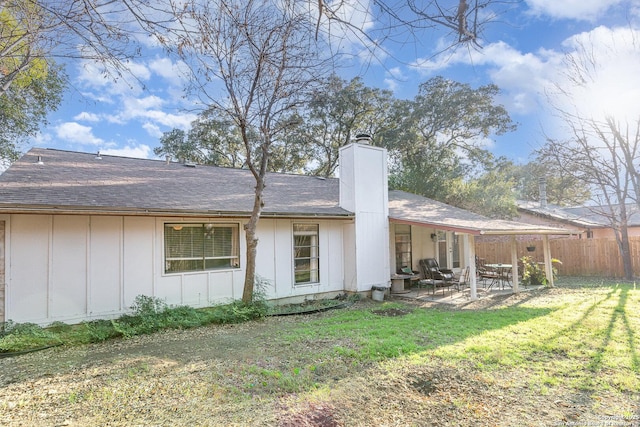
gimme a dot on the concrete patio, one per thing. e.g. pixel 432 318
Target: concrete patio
pixel 451 295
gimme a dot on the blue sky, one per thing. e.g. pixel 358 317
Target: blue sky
pixel 522 53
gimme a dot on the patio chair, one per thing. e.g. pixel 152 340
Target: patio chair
pixel 462 280
pixel 433 276
pixel 484 273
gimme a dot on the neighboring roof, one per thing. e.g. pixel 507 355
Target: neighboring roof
pixel 80 182
pixel 413 209
pixel 581 216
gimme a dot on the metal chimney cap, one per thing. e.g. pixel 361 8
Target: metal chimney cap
pixel 363 138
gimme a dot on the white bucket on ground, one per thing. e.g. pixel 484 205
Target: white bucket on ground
pixel 377 295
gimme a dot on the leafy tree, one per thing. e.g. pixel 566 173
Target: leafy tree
pixel 438 146
pixel 30 86
pixel 490 194
pixel 24 108
pixel 38 35
pixel 211 140
pixel 215 140
pixel 336 112
pixel 562 186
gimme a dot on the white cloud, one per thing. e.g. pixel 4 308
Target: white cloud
pixel 101 85
pixel 392 78
pixel 522 77
pixel 87 117
pixel 606 62
pixel 172 72
pixel 141 151
pixel 77 133
pixel 347 38
pixel 152 129
pixel 152 110
pixel 572 9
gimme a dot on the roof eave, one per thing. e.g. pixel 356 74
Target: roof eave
pixel 477 231
pixel 126 211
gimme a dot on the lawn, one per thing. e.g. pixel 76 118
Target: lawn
pixel 562 356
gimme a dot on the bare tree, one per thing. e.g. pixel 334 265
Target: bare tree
pixel 604 148
pixel 102 31
pixel 603 159
pixel 254 62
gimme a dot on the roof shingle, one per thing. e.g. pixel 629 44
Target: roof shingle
pixel 72 181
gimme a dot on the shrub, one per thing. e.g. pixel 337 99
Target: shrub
pixel 533 273
pixel 147 306
pixel 20 336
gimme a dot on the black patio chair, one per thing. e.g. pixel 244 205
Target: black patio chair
pixel 434 276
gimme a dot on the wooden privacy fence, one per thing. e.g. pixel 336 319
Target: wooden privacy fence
pixel 580 257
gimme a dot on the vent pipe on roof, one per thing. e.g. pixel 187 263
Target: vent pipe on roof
pixel 168 158
pixel 542 188
pixel 363 138
pixel 98 157
pixel 40 162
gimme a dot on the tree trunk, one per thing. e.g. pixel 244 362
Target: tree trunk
pixel 625 251
pixel 252 242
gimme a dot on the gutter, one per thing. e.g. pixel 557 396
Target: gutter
pixel 167 213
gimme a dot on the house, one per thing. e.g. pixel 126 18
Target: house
pixel 587 222
pixel 81 235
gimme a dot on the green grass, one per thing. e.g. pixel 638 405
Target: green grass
pixel 586 340
pixel 539 358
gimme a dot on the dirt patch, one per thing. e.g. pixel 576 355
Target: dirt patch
pixel 392 312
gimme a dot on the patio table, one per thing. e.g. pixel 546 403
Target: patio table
pixel 503 274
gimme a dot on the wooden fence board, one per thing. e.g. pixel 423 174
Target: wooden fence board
pixel 580 257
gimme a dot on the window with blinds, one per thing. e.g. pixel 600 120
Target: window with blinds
pixel 198 247
pixel 306 261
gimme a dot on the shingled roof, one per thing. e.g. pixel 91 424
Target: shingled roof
pixel 413 209
pixel 581 216
pixel 46 180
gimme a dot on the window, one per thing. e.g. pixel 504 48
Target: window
pixel 198 247
pixel 403 246
pixel 455 249
pixel 306 262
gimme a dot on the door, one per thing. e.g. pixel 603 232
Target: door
pixel 448 249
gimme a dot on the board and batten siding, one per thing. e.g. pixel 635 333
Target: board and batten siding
pixel 2 270
pixel 72 268
pixel 275 258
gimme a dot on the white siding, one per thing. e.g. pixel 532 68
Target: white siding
pixel 78 267
pixel 105 265
pixel 68 293
pixel 138 258
pixel 275 258
pixel 28 275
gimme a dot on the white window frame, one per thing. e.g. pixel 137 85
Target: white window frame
pixel 313 257
pixel 233 257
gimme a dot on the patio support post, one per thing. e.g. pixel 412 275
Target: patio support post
pixel 514 264
pixel 548 267
pixel 470 242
